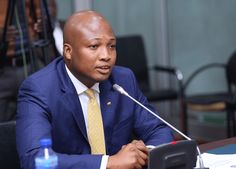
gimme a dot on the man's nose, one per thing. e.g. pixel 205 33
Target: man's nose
pixel 105 54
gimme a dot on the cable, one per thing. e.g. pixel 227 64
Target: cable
pixel 21 41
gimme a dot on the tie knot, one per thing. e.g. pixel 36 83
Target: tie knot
pixel 90 93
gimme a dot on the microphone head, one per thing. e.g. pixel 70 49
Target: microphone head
pixel 116 87
pixel 119 89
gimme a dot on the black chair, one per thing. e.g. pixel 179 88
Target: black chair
pixel 8 154
pixel 220 101
pixel 131 53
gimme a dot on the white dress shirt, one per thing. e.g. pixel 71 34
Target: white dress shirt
pixel 80 89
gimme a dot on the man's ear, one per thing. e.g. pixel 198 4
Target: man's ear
pixel 67 51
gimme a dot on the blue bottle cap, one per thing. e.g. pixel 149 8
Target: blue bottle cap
pixel 45 142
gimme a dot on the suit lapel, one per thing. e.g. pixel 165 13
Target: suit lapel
pixel 71 98
pixel 108 104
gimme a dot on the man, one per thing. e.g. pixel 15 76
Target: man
pixel 54 103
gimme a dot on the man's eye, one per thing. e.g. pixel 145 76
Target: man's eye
pixel 113 46
pixel 93 47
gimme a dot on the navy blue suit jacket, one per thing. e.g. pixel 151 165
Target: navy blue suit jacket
pixel 48 106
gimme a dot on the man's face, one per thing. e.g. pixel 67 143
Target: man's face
pixel 92 52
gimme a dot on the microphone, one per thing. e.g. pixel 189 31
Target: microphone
pixel 123 92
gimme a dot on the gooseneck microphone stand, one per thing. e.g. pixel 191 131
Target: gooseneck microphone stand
pixel 123 92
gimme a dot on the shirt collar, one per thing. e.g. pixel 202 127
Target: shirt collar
pixel 79 86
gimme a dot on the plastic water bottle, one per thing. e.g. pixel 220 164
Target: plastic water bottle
pixel 46 157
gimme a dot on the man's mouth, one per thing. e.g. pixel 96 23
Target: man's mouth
pixel 103 69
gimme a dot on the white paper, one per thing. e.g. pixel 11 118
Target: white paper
pixel 218 161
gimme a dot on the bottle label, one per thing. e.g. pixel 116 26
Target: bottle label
pixel 50 163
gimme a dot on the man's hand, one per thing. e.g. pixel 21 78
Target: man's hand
pixel 132 156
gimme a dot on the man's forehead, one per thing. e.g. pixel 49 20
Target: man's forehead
pixel 86 16
pixel 87 20
pixel 93 24
pixel 88 23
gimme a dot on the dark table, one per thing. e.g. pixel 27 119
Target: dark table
pixel 217 144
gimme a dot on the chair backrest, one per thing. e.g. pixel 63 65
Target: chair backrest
pixel 231 69
pixel 8 154
pixel 131 54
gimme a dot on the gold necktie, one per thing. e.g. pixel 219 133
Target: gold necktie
pixel 95 125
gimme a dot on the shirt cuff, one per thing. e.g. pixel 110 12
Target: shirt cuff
pixel 150 147
pixel 104 162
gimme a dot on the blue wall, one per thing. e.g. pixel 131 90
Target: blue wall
pixel 65 8
pixel 201 32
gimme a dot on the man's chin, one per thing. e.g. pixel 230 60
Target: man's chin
pixel 103 77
